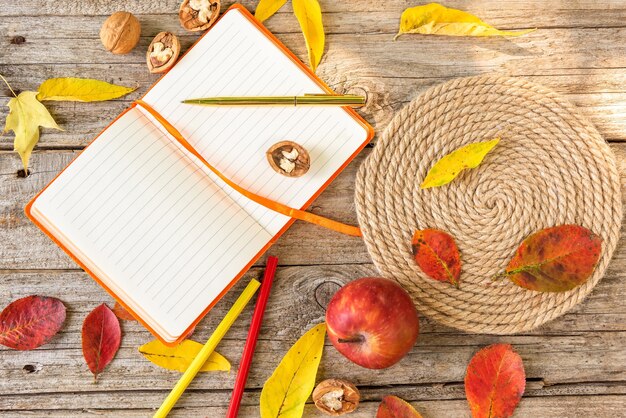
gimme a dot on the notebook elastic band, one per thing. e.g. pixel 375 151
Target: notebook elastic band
pixel 268 203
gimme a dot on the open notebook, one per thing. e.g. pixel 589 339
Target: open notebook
pixel 147 219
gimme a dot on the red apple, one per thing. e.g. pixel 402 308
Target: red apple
pixel 373 322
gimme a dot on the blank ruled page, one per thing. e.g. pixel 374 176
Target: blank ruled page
pixel 137 209
pixel 236 59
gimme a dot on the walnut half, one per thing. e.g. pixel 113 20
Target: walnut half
pixel 162 52
pixel 289 159
pixel 336 397
pixel 197 15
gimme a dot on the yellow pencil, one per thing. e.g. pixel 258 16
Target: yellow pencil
pixel 208 348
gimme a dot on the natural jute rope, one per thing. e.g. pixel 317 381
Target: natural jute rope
pixel 551 167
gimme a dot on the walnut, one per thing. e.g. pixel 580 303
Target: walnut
pixel 120 32
pixel 196 15
pixel 162 52
pixel 289 159
pixel 336 397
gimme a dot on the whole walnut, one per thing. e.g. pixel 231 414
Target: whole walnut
pixel 120 32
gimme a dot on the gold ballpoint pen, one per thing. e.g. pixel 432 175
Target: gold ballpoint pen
pixel 305 100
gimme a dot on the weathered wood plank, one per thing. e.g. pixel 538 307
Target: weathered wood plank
pixel 208 404
pixel 533 10
pixel 385 20
pixel 24 246
pixel 372 53
pixel 310 287
pixel 577 351
pixel 200 398
pixel 599 93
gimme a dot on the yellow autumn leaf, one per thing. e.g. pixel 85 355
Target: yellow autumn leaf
pixel 286 391
pixel 447 168
pixel 435 19
pixel 309 15
pixel 181 356
pixel 266 8
pixel 80 90
pixel 26 115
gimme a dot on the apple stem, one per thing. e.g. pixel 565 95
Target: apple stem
pixel 356 339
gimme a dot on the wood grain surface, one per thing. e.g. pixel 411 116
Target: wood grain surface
pixel 575 365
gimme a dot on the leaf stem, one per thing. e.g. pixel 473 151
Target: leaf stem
pixel 8 85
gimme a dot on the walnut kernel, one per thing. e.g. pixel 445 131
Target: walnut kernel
pixel 120 32
pixel 197 15
pixel 162 52
pixel 336 397
pixel 289 159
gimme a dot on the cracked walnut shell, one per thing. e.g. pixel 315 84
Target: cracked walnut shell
pixel 197 15
pixel 120 32
pixel 289 159
pixel 162 52
pixel 336 397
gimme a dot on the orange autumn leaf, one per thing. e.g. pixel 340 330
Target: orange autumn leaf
pixel 494 382
pixel 437 255
pixel 555 259
pixel 394 407
pixel 122 313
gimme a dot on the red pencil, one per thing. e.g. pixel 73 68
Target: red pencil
pixel 253 334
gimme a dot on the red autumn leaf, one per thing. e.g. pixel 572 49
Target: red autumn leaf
pixel 494 382
pixel 394 407
pixel 555 259
pixel 30 322
pixel 101 338
pixel 122 313
pixel 437 255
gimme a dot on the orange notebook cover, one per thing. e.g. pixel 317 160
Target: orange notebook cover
pixel 171 204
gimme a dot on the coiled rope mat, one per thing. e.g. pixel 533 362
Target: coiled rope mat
pixel 551 167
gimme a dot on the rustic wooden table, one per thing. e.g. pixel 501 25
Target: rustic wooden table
pixel 575 365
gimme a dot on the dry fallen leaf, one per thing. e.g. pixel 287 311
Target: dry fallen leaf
pixel 101 336
pixel 181 356
pixel 30 322
pixel 266 8
pixel 437 255
pixel 494 382
pixel 286 391
pixel 80 90
pixel 309 15
pixel 122 313
pixel 447 168
pixel 555 259
pixel 394 407
pixel 26 115
pixel 435 19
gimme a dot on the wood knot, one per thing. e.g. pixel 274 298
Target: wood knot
pixel 359 91
pixel 324 292
pixel 33 368
pixel 17 40
pixel 21 173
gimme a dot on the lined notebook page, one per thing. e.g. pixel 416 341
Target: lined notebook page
pixel 164 236
pixel 235 59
